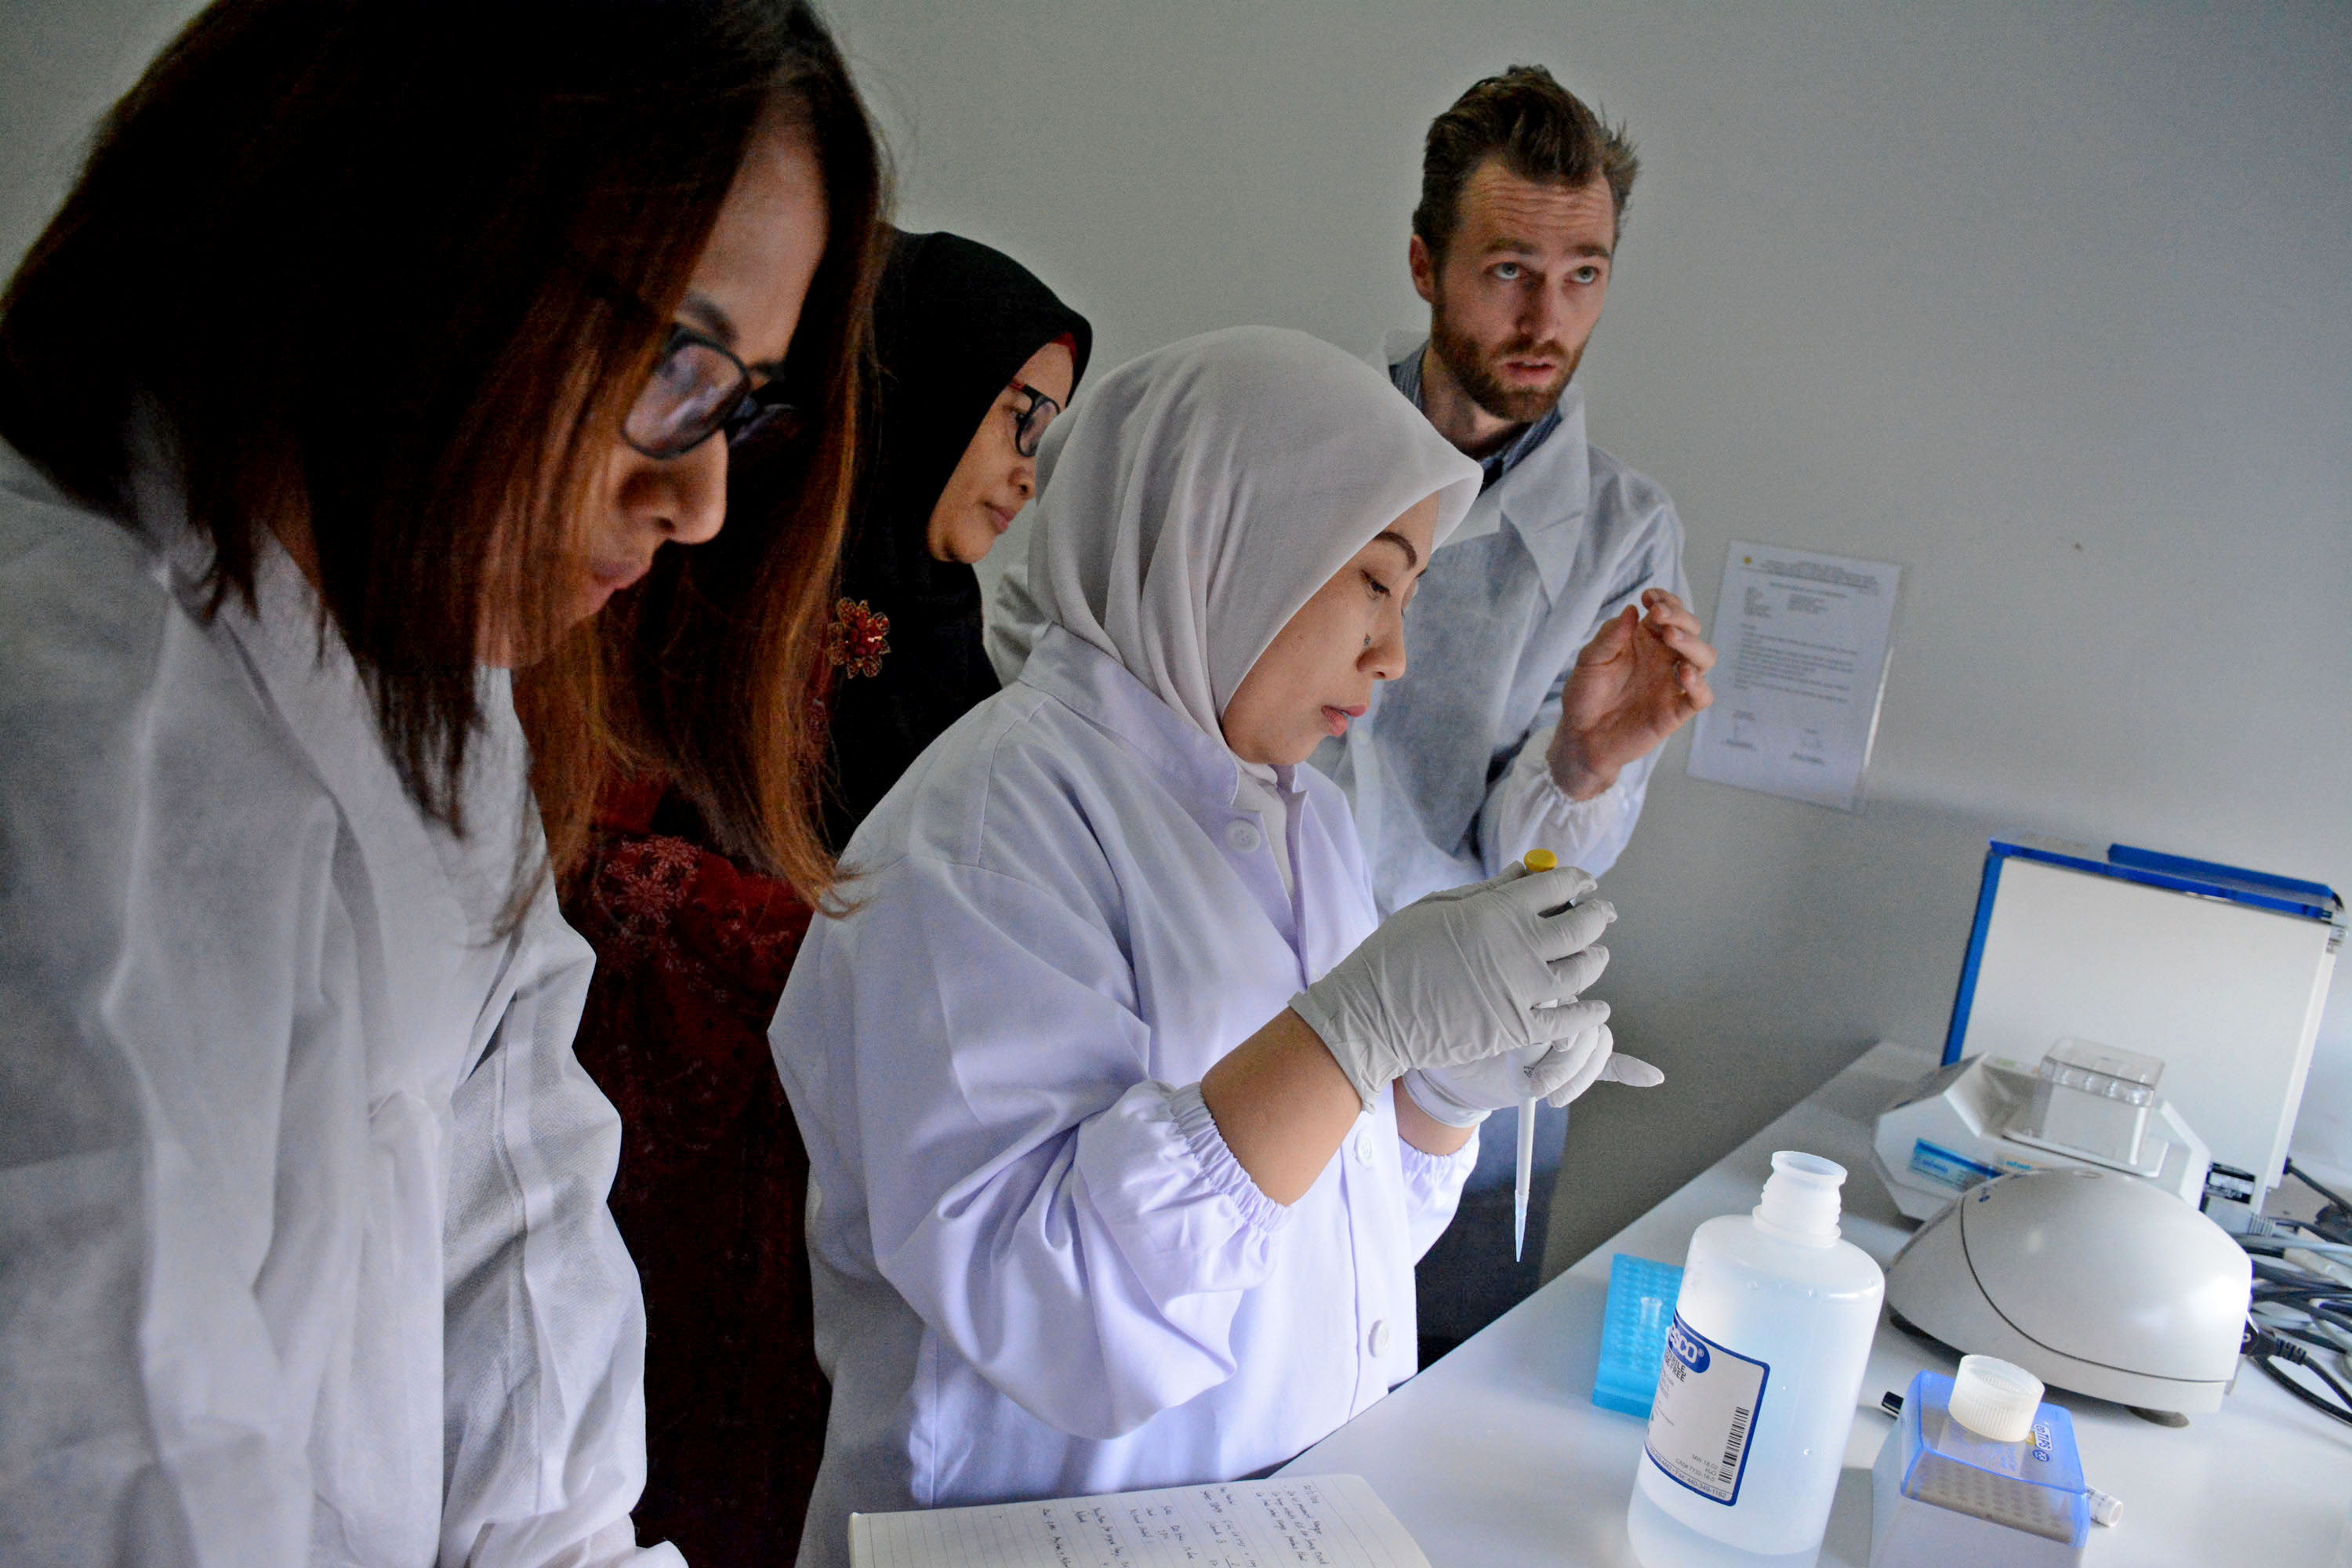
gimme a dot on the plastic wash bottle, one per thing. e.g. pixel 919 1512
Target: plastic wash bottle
pixel 1756 1390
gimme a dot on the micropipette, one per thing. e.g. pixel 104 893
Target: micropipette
pixel 1536 860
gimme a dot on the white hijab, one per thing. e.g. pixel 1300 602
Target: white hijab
pixel 1201 493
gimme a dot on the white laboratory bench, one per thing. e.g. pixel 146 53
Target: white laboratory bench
pixel 1496 1455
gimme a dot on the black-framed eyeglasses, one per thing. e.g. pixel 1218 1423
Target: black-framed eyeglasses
pixel 698 389
pixel 1029 425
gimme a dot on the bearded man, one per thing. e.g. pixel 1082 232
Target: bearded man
pixel 1550 651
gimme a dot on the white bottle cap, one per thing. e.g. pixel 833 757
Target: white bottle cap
pixel 1800 1201
pixel 1994 1399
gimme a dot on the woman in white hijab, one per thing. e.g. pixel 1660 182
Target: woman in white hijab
pixel 1077 1224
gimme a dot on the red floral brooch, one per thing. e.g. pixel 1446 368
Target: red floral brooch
pixel 858 639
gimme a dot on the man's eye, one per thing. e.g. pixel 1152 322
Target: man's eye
pixel 1507 272
pixel 1587 275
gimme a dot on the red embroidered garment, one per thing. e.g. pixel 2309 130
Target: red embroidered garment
pixel 691 955
pixel 858 639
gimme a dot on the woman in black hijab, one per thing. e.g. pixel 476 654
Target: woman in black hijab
pixel 976 357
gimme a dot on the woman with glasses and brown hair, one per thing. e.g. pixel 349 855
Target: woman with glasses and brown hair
pixel 376 348
pixel 976 358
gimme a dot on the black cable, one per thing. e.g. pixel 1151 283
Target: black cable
pixel 2325 1311
pixel 2268 1347
pixel 2279 1283
pixel 2321 1298
pixel 2341 1413
pixel 2259 1249
pixel 2300 1175
pixel 2269 1288
pixel 2273 1282
pixel 2335 1221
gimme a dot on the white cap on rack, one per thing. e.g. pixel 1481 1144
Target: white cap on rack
pixel 1994 1399
pixel 1801 1200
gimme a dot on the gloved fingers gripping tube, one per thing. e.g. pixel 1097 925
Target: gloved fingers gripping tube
pixel 1445 982
pixel 1566 1023
pixel 1545 893
pixel 1562 1066
pixel 1510 873
pixel 1570 885
pixel 1465 1095
pixel 1573 931
pixel 1589 1060
pixel 1578 971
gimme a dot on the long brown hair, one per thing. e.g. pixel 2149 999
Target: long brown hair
pixel 395 269
pixel 708 668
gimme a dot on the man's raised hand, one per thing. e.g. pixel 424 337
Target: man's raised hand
pixel 1636 683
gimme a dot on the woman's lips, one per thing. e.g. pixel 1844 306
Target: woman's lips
pixel 607 578
pixel 1335 718
pixel 612 576
pixel 997 516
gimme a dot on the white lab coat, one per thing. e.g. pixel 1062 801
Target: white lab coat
pixel 302 1222
pixel 1039 1270
pixel 1447 773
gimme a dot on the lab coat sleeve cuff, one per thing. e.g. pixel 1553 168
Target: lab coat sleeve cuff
pixel 1432 1190
pixel 1551 811
pixel 1218 1167
pixel 1528 810
pixel 1438 1105
pixel 1426 1174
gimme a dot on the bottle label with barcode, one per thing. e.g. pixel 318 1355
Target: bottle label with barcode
pixel 1704 1412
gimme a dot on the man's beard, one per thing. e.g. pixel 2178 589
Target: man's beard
pixel 1472 370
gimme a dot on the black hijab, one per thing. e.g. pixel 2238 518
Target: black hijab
pixel 954 321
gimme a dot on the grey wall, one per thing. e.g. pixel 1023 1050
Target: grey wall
pixel 2048 303
pixel 61 63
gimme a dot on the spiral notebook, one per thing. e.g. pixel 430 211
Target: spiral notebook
pixel 1334 1521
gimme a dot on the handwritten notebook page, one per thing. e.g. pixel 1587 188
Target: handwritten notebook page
pixel 1330 1521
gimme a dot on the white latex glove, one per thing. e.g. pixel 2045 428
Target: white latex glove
pixel 1465 1095
pixel 1463 975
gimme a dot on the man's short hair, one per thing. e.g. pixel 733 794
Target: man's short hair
pixel 1540 130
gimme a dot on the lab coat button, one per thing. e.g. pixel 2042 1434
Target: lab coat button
pixel 1364 1144
pixel 1378 1340
pixel 1241 837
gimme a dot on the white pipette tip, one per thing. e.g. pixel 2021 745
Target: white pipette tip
pixel 1526 1178
pixel 1536 860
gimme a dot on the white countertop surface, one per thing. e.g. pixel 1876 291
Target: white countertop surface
pixel 1496 1455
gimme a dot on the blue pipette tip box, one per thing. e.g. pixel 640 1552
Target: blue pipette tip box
pixel 1634 1332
